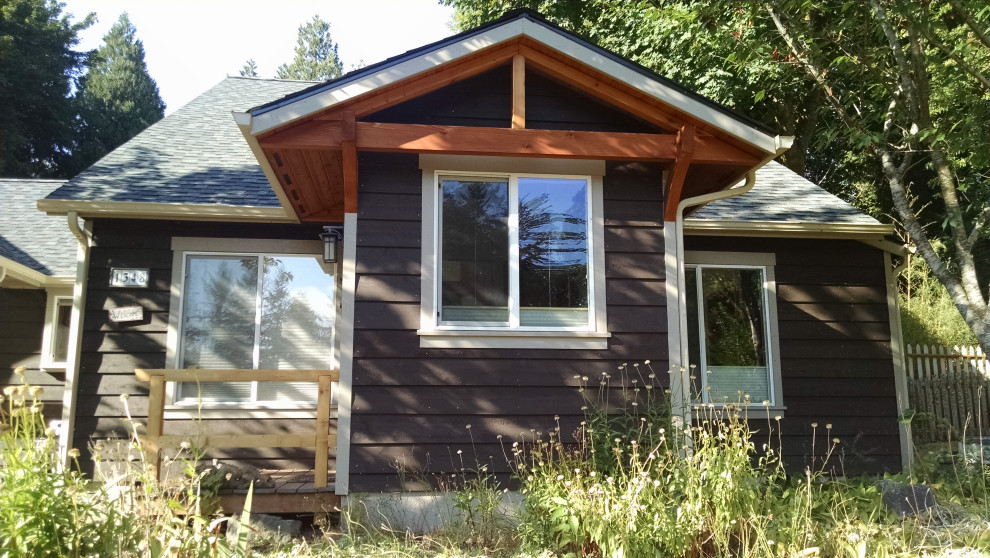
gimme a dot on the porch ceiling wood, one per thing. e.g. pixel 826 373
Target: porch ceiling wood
pixel 315 158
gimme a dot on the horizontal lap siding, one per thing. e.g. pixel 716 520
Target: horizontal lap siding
pixel 22 327
pixel 111 351
pixel 834 348
pixel 412 406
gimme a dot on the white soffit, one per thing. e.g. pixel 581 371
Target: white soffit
pixel 492 36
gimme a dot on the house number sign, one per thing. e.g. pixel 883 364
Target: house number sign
pixel 128 277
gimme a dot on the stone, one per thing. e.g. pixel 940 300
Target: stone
pixel 233 477
pixel 264 525
pixel 907 499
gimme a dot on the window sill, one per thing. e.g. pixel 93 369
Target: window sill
pixel 179 412
pixel 504 339
pixel 754 411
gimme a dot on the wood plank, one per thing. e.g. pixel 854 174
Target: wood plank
pixel 156 409
pixel 321 171
pixel 518 92
pixel 684 149
pixel 280 440
pixel 229 375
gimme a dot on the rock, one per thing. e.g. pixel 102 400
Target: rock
pixel 907 499
pixel 234 477
pixel 268 526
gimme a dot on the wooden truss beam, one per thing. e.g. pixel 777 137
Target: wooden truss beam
pixel 518 92
pixel 349 162
pixel 467 140
pixel 685 150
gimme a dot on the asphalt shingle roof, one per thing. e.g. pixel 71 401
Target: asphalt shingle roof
pixel 781 195
pixel 28 236
pixel 196 155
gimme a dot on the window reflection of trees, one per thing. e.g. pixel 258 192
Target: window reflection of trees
pixel 734 317
pixel 553 256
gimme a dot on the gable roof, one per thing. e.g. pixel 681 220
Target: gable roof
pixel 513 25
pixel 30 238
pixel 196 156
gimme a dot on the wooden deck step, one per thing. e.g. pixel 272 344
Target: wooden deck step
pixel 294 492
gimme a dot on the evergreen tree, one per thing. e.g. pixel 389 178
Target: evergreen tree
pixel 119 97
pixel 37 74
pixel 250 68
pixel 316 54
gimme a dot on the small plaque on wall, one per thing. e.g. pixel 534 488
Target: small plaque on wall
pixel 128 277
pixel 127 314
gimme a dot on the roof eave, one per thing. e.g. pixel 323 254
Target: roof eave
pixel 167 211
pixel 787 229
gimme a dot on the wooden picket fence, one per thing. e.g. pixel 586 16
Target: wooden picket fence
pixel 949 389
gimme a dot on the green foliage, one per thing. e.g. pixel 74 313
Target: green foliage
pixel 47 510
pixel 119 98
pixel 250 68
pixel 38 75
pixel 928 315
pixel 316 54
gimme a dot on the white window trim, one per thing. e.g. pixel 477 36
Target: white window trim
pixel 183 246
pixel 433 335
pixel 56 296
pixel 766 262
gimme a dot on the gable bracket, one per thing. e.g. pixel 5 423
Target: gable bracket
pixel 684 149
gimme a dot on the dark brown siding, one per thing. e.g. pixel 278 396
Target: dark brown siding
pixel 834 349
pixel 22 327
pixel 412 407
pixel 111 352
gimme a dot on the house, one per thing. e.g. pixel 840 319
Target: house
pixel 37 275
pixel 511 207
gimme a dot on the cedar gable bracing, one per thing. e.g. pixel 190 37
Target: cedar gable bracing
pixel 315 158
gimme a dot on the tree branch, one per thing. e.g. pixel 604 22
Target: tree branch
pixel 979 31
pixel 974 233
pixel 966 66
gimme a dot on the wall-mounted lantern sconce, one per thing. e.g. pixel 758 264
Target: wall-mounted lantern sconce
pixel 330 236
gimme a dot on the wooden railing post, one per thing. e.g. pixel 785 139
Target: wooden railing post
pixel 322 431
pixel 156 411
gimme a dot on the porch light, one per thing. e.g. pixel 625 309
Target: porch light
pixel 330 236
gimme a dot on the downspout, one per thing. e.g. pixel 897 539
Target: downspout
pixel 681 390
pixel 84 236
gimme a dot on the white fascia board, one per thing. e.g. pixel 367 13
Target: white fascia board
pixel 787 229
pixel 23 273
pixel 176 211
pixel 313 103
pixel 310 104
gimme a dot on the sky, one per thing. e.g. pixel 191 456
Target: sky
pixel 190 45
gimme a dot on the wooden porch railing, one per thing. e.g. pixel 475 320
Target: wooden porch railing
pixel 320 439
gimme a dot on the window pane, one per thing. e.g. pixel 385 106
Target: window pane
pixel 297 313
pixel 474 249
pixel 735 334
pixel 218 322
pixel 553 252
pixel 60 344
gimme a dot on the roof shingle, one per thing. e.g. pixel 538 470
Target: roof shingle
pixel 28 236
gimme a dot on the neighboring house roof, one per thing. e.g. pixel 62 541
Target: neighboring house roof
pixel 29 237
pixel 780 195
pixel 196 155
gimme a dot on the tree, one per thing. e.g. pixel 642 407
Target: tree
pixel 37 76
pixel 316 54
pixel 250 68
pixel 888 101
pixel 119 97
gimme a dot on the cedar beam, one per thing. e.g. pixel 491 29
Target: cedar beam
pixel 349 163
pixel 468 140
pixel 685 150
pixel 518 92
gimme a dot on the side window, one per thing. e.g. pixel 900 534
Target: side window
pixel 58 316
pixel 732 333
pixel 254 311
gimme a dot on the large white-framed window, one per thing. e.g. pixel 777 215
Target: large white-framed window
pixel 512 253
pixel 249 304
pixel 58 317
pixel 733 339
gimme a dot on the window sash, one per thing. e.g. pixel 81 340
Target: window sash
pixel 236 394
pixel 754 377
pixel 514 299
